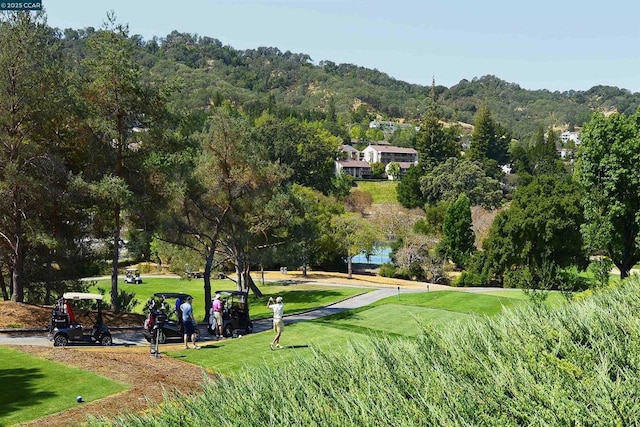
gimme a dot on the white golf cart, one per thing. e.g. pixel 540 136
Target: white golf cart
pixel 65 328
pixel 132 275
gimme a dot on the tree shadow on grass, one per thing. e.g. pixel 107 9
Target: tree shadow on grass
pixel 18 390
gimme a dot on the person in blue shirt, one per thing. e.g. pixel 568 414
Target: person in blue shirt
pixel 189 323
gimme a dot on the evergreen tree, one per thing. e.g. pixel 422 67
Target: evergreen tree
pixel 408 191
pixel 433 143
pixel 489 139
pixel 457 242
pixel 32 125
pixel 122 110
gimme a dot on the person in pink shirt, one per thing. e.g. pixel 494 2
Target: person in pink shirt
pixel 217 313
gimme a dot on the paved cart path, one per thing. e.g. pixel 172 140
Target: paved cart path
pixel 134 337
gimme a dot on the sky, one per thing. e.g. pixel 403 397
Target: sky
pixel 557 45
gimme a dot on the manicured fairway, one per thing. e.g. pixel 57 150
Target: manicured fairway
pixel 402 316
pixel 31 388
pixel 397 319
pixel 298 298
pixel 298 340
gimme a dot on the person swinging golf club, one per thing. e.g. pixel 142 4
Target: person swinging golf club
pixel 278 323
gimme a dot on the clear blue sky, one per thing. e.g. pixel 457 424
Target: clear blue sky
pixel 556 45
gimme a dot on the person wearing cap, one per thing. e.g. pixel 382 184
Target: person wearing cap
pixel 217 308
pixel 189 323
pixel 278 322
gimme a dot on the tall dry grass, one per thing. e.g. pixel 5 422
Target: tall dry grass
pixel 577 364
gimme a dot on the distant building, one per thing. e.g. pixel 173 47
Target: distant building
pixel 355 168
pixel 387 153
pixel 570 136
pixel 388 126
pixel 383 125
pixel 348 152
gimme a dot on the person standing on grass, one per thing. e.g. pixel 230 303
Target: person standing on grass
pixel 278 322
pixel 217 314
pixel 189 323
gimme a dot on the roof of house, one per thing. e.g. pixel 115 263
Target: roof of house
pixel 406 165
pixel 353 164
pixel 391 149
pixel 347 148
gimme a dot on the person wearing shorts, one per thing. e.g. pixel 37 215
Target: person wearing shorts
pixel 189 323
pixel 217 314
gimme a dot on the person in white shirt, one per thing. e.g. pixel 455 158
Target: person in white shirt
pixel 278 323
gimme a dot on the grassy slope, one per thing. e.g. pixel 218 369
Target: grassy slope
pixel 397 317
pixel 382 191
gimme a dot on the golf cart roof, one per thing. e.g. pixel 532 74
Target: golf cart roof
pixel 171 295
pixel 81 296
pixel 230 293
pixel 131 269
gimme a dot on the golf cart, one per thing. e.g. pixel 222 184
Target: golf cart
pixel 193 274
pixel 64 327
pixel 164 309
pixel 132 275
pixel 235 313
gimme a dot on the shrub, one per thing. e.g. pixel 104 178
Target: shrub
pixel 470 279
pixel 387 270
pixel 127 301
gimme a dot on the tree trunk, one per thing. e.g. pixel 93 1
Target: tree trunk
pixel 207 286
pixel 350 268
pixel 249 283
pixel 3 285
pixel 115 303
pixel 17 276
pixel 47 295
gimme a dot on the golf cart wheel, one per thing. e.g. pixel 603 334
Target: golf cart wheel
pixel 60 340
pixel 196 334
pixel 227 331
pixel 106 340
pixel 162 338
pixel 249 328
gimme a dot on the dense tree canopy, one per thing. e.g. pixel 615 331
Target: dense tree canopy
pixel 607 168
pixel 457 242
pixel 93 145
pixel 540 227
pixel 446 181
pixel 32 147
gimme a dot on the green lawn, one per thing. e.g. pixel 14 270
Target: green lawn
pixel 382 191
pixel 298 298
pixel 31 388
pixel 395 316
pixel 298 340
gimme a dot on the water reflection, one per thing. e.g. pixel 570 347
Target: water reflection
pixel 380 256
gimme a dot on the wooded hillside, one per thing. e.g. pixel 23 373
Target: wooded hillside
pixel 295 84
